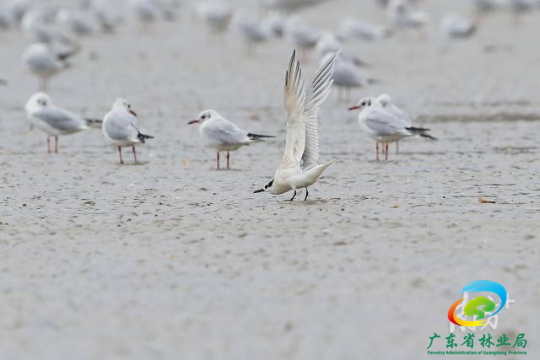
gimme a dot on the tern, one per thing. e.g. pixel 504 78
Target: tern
pixel 53 120
pixel 223 135
pixel 385 123
pixel 300 166
pixel 121 128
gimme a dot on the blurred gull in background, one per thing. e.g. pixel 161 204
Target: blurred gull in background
pixel 301 36
pixel 346 76
pixel 252 30
pixel 403 15
pixel 215 13
pixel 147 12
pixel 328 43
pixel 43 62
pixel 357 29
pixel 77 23
pixel 288 6
pixel 457 26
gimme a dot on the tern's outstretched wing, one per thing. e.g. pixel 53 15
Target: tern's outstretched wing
pixel 319 91
pixel 295 99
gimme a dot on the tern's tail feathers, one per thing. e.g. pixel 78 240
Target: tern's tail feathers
pixel 421 132
pixel 94 123
pixel 143 137
pixel 318 170
pixel 258 137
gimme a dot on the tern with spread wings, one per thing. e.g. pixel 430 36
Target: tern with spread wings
pixel 300 166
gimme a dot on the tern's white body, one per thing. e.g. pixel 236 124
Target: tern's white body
pixel 300 166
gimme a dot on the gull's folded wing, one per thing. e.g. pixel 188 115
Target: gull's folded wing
pixel 60 119
pixel 295 99
pixel 318 93
pixel 385 123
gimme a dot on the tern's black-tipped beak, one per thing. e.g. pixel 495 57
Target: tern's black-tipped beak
pixel 259 191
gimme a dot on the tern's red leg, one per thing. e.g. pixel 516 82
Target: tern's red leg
pixel 120 153
pixel 134 154
pixel 228 160
pixel 56 144
pixel 217 160
pixel 48 144
pixel 377 150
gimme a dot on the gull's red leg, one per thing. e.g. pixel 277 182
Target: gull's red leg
pixel 377 150
pixel 386 152
pixel 217 160
pixel 120 153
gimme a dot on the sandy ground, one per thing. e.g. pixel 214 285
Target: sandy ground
pixel 171 259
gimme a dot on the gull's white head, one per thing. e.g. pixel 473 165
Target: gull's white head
pixel 384 99
pixel 205 116
pixel 363 104
pixel 125 105
pixel 39 100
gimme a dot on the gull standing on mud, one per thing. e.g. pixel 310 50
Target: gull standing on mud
pixel 346 76
pixel 252 29
pixel 223 135
pixel 300 165
pixel 44 63
pixel 403 15
pixel 53 120
pixel 385 124
pixel 457 26
pixel 121 128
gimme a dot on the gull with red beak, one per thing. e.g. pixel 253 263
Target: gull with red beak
pixel 223 135
pixel 385 123
pixel 121 128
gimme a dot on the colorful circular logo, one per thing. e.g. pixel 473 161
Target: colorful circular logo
pixel 477 307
